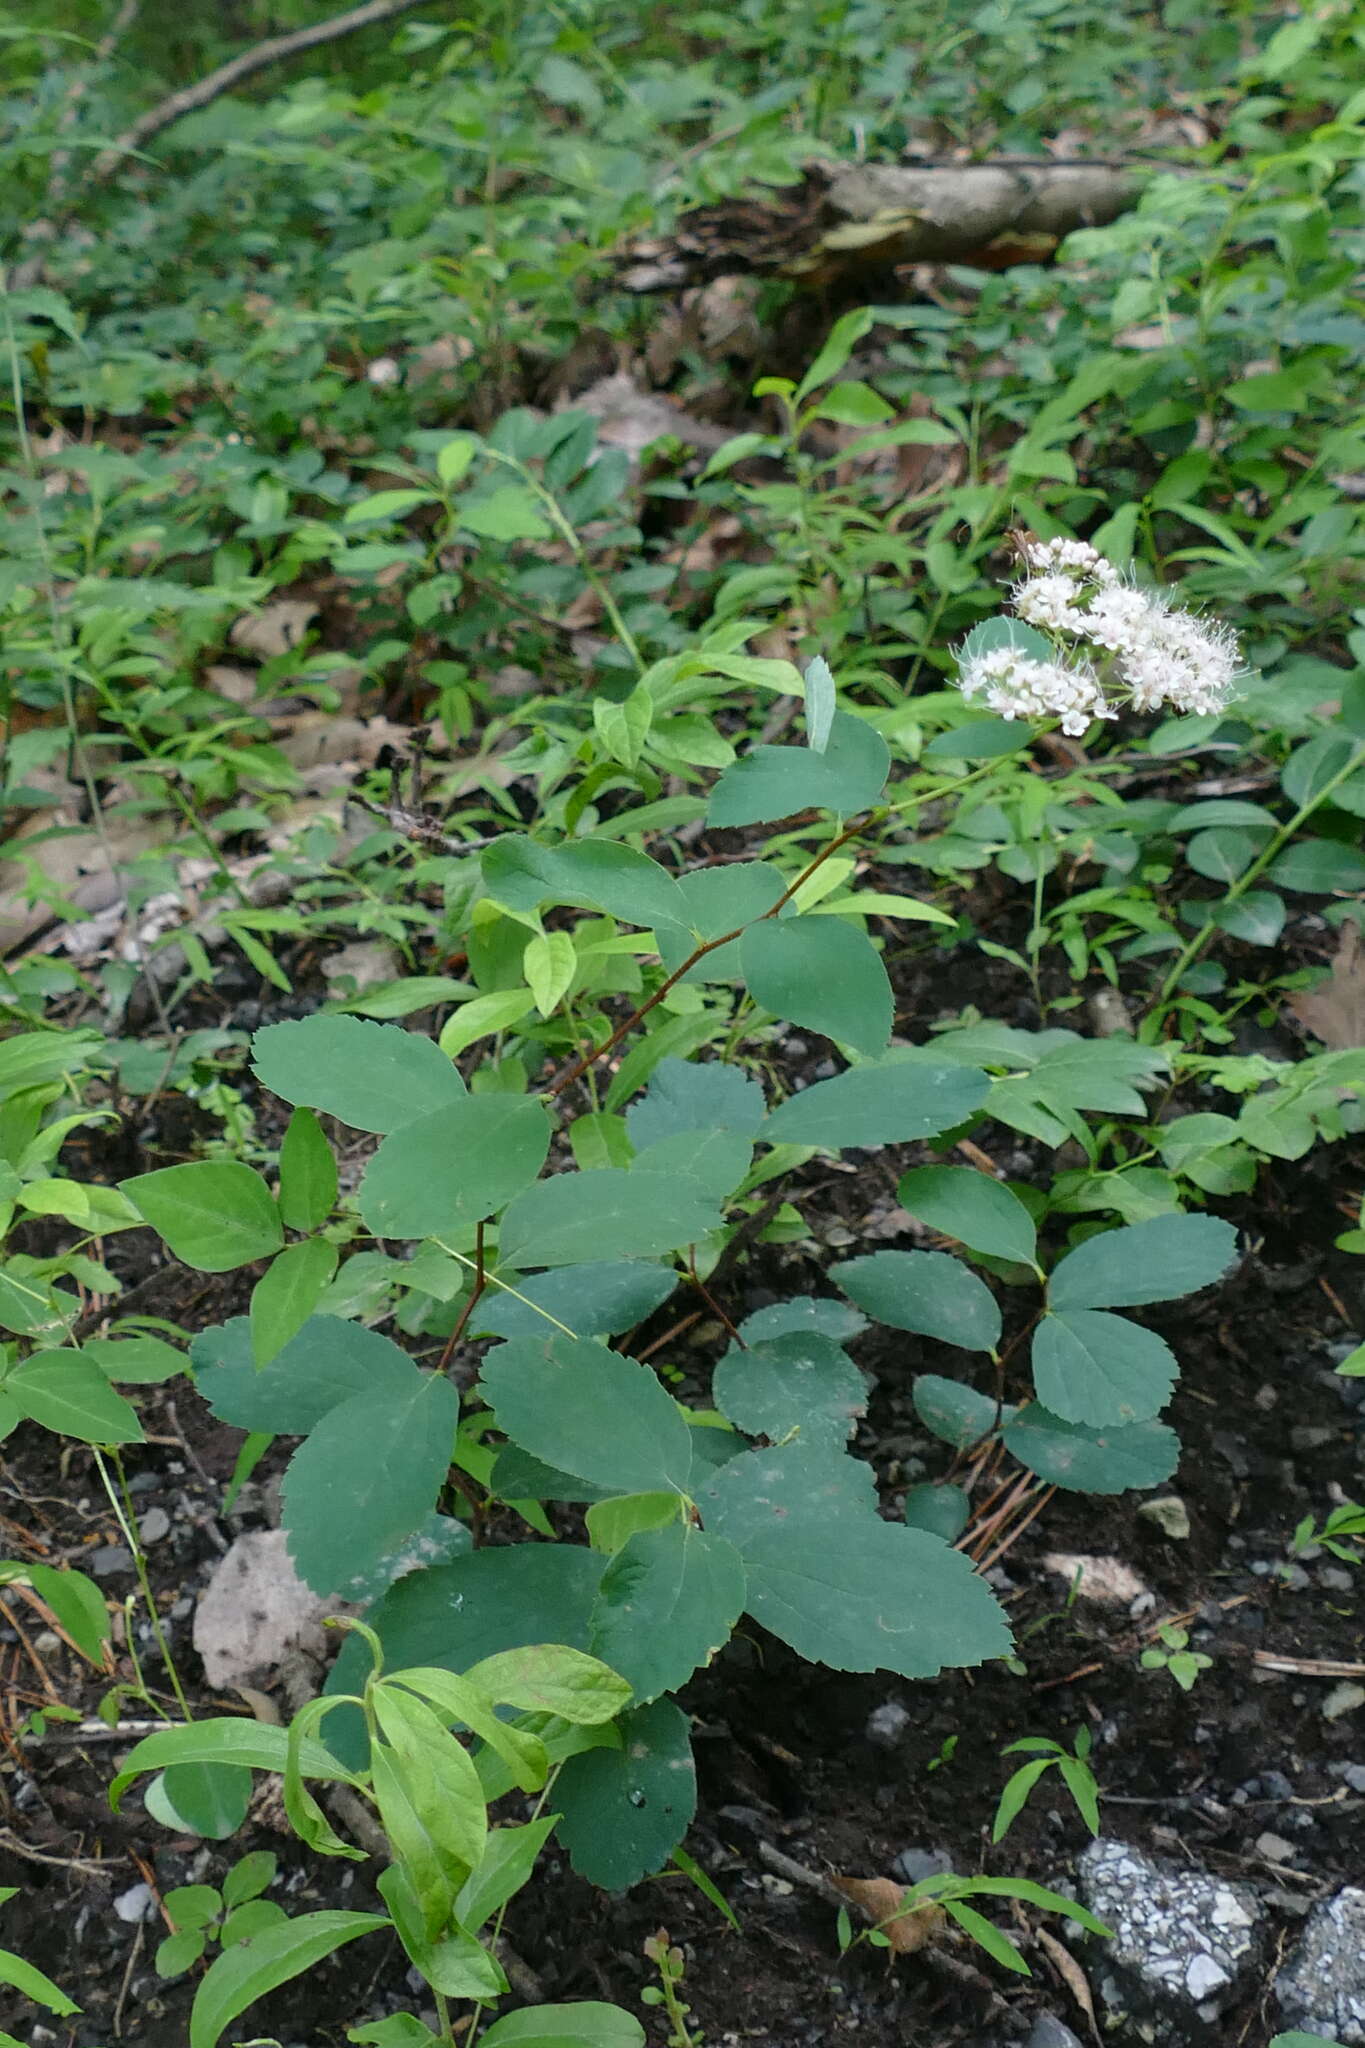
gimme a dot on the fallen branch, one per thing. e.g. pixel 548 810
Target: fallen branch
pixel 192 97
pixel 1306 1667
pixel 847 219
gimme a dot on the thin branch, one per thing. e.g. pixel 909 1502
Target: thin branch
pixel 275 51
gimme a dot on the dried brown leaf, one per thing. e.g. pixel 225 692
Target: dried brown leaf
pixel 1334 1011
pixel 1070 1972
pixel 881 1901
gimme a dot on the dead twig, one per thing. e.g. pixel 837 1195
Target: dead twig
pixel 1306 1667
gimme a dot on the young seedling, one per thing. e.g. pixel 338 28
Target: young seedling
pixel 1171 1652
pixel 1072 1765
pixel 200 1913
pixel 670 1964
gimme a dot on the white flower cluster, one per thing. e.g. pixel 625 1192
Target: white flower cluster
pixel 1149 652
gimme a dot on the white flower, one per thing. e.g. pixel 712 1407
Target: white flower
pixel 1078 556
pixel 1049 602
pixel 1014 685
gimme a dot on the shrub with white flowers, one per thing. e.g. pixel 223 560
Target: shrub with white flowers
pixel 1098 643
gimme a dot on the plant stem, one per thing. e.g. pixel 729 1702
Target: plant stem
pixel 123 1514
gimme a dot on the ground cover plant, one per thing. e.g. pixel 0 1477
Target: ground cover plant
pixel 666 961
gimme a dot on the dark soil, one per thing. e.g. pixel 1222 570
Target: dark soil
pixel 784 1754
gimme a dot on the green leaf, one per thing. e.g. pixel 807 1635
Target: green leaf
pixel 75 1600
pixel 775 782
pixel 596 1412
pixel 808 1312
pixel 31 1982
pixel 887 1102
pixel 257 1745
pixel 1155 1261
pixel 178 1953
pixel 838 346
pixel 507 512
pixel 1084 1460
pixel 400 2030
pixel 714 1161
pixel 426 1782
pixel 802 1383
pixel 997 1946
pixel 371 1076
pixel 214 1214
pixel 599 1299
pixel 623 728
pixel 249 1877
pixel 386 505
pixel 609 1213
pixel 624 1811
pixel 1319 867
pixel 505 1866
pixel 328 1362
pixel 667 1602
pixel 551 1678
pixel 820 703
pixel 66 1391
pixel 930 1293
pixel 969 1206
pixel 241 1975
pixel 593 874
pixel 856 1593
pixel 585 2025
pixel 482 1017
pixel 366 1477
pixel 941 1511
pixel 209 1799
pixel 287 1293
pixel 956 1414
pixel 717 901
pixel 1101 1369
pixel 137 1361
pixel 611 1523
pixel 455 1964
pixel 980 739
pixel 689 1096
pixel 308 1173
pixel 1258 917
pixel 440 1174
pixel 549 965
pixel 823 974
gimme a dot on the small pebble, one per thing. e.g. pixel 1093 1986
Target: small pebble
pixel 1050 2032
pixel 1310 1437
pixel 1274 1848
pixel 886 1724
pixel 912 1866
pixel 111 1558
pixel 1352 1774
pixel 137 1903
pixel 1275 1785
pixel 1170 1514
pixel 1336 1579
pixel 1343 1699
pixel 155 1524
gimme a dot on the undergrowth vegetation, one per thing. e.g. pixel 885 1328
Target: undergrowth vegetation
pixel 693 821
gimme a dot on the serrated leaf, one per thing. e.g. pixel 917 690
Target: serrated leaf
pixel 941 1511
pixel 214 1214
pixel 694 1095
pixel 441 1173
pixel 611 1213
pixel 1084 1460
pixel 823 974
pixel 802 1382
pixel 667 1602
pixel 775 782
pixel 623 1811
pixel 930 1293
pixel 1101 1369
pixel 366 1477
pixel 599 1299
pixel 549 965
pixel 1156 1261
pixel 853 1592
pixel 971 1207
pixel 241 1975
pixel 328 1362
pixel 887 1102
pixel 593 1411
pixel 371 1076
pixel 808 1312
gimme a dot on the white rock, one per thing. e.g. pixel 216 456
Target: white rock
pixel 137 1903
pixel 1105 1580
pixel 254 1611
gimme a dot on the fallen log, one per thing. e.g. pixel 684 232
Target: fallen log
pixel 843 222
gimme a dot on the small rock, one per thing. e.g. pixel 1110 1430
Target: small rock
pixel 886 1724
pixel 1274 1848
pixel 155 1524
pixel 1275 1785
pixel 1336 1579
pixel 137 1903
pixel 1322 1987
pixel 912 1866
pixel 1185 1943
pixel 1170 1514
pixel 1343 1699
pixel 1049 2032
pixel 1105 1580
pixel 111 1558
pixel 1310 1437
pixel 1353 1774
pixel 254 1610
